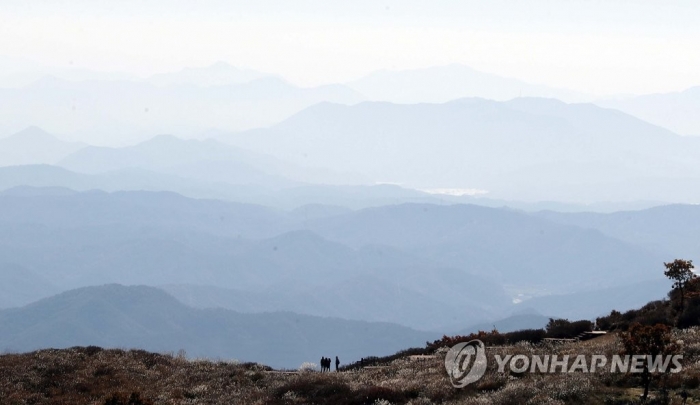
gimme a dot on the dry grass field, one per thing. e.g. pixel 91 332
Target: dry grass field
pixel 90 375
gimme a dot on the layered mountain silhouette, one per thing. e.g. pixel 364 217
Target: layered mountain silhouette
pixel 510 324
pixel 473 237
pixel 589 304
pixel 532 149
pixel 436 264
pixel 41 176
pixel 34 146
pixel 148 318
pixel 274 223
pixel 274 192
pixel 671 229
pixel 676 111
pixel 121 112
pixel 206 161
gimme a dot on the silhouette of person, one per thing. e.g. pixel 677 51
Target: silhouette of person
pixel 323 364
pixel 362 362
pixel 337 363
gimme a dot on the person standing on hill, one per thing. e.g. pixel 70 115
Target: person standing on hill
pixel 337 363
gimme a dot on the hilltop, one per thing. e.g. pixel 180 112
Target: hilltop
pixel 148 318
pixel 94 375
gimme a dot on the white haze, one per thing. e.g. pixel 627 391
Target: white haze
pixel 598 47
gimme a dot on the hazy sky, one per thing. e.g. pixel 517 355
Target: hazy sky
pixel 603 47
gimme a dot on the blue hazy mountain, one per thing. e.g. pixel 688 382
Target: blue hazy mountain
pixel 207 161
pixel 670 229
pixel 148 318
pixel 21 286
pixel 472 261
pixel 475 239
pixel 676 111
pixel 141 209
pixel 159 238
pixel 120 112
pixel 523 149
pixel 420 295
pixel 595 303
pixel 34 146
pixel 42 176
pixel 509 324
pixel 274 191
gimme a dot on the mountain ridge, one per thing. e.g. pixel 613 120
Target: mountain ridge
pixel 33 145
pixel 449 82
pixel 150 319
pixel 574 152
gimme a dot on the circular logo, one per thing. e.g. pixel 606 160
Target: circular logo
pixel 466 363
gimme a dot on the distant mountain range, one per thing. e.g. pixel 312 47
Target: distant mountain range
pixel 208 161
pixel 282 221
pixel 269 194
pixel 473 238
pixel 120 112
pixel 677 223
pixel 525 149
pixel 147 318
pixel 433 266
pixel 510 324
pixel 20 286
pixel 33 146
pixel 676 111
pixel 590 304
pixel 144 238
pixel 211 169
pixel 218 74
pixel 110 108
pixel 441 84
